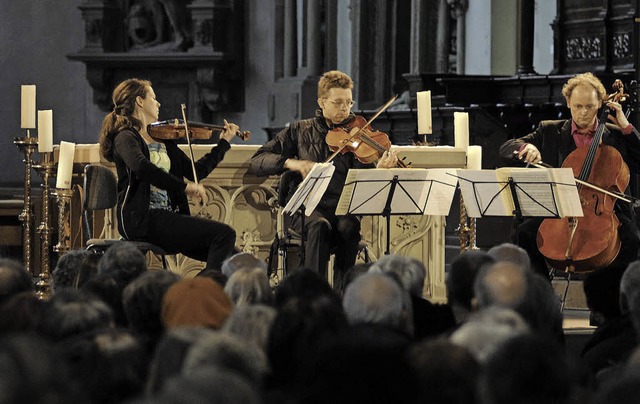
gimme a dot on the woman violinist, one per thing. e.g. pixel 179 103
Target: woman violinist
pixel 302 144
pixel 155 177
pixel 554 140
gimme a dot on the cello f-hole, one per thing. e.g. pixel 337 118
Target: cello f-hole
pixel 595 207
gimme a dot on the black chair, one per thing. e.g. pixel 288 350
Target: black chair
pixel 101 193
pixel 286 237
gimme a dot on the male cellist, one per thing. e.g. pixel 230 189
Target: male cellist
pixel 300 145
pixel 553 140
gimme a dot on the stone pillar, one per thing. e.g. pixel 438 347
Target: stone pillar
pixel 419 36
pixel 290 39
pixel 527 26
pixel 313 39
pixel 443 41
pixel 459 10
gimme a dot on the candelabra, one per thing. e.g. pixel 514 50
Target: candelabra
pixel 27 146
pixel 45 170
pixel 63 196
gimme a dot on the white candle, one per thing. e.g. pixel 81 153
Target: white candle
pixel 65 165
pixel 28 107
pixel 461 129
pixel 474 158
pixel 45 131
pixel 424 112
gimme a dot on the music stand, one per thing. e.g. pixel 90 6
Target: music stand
pixel 308 195
pixel 520 192
pixel 400 191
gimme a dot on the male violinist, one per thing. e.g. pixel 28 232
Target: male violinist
pixel 553 140
pixel 302 144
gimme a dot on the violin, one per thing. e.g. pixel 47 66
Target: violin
pixel 359 138
pixel 175 129
pixel 591 242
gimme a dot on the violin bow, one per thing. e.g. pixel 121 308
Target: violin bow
pixel 186 128
pixel 377 114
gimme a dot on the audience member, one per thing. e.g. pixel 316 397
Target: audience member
pixel 197 302
pixel 252 323
pixel 460 279
pixel 352 273
pixel 428 319
pixel 107 288
pixel 13 279
pixel 124 261
pixel 249 286
pixel 20 313
pixel 501 284
pixel 242 260
pixel 302 284
pixel 66 272
pixel 376 298
pixel 509 252
pixel 142 304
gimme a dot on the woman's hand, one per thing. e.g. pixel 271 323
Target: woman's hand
pixel 389 159
pixel 230 131
pixel 197 191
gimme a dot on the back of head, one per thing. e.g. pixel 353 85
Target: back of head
pixel 377 299
pixel 462 275
pixel 13 279
pixel 67 268
pixel 197 302
pixel 124 261
pixel 69 313
pixel 249 286
pixel 510 253
pixel 527 369
pixel 501 284
pixel 630 284
pixel 142 301
pixel 20 313
pixel 242 260
pixel 251 322
pixel 409 271
pixel 303 283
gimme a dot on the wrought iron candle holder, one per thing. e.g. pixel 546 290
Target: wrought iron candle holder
pixel 27 146
pixel 63 196
pixel 45 170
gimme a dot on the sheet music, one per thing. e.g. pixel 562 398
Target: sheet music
pixel 565 192
pixel 311 189
pixel 483 194
pixel 533 190
pixel 418 191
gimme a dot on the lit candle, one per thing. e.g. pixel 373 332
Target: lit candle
pixel 28 107
pixel 474 158
pixel 424 112
pixel 65 165
pixel 45 131
pixel 461 129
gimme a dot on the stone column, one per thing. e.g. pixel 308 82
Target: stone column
pixel 443 41
pixel 419 36
pixel 527 27
pixel 459 10
pixel 290 39
pixel 313 39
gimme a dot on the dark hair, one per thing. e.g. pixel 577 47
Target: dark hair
pixel 13 279
pixel 124 101
pixel 462 275
pixel 124 261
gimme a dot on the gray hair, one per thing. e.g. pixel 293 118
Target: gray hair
pixel 502 284
pixel 409 271
pixel 251 322
pixel 249 286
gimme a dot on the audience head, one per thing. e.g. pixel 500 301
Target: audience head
pixel 485 330
pixel 142 302
pixel 69 313
pixel 460 279
pixel 602 291
pixel 629 285
pixel 527 369
pixel 197 302
pixel 445 372
pixel 68 270
pixel 13 279
pixel 242 260
pixel 302 284
pixel 251 322
pixel 249 286
pixel 408 270
pixel 352 273
pixel 124 261
pixel 20 313
pixel 508 252
pixel 501 284
pixel 378 299
pixel 107 288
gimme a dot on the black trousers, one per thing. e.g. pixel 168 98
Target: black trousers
pixel 327 233
pixel 196 237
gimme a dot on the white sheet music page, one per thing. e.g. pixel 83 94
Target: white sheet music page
pixel 443 183
pixel 534 191
pixel 311 189
pixel 483 194
pixel 567 193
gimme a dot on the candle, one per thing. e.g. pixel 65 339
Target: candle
pixel 474 158
pixel 65 165
pixel 28 107
pixel 45 131
pixel 424 112
pixel 461 129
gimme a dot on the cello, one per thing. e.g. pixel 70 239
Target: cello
pixel 591 242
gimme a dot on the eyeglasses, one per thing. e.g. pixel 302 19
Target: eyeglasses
pixel 341 103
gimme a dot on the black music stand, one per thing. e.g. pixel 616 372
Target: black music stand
pixel 400 191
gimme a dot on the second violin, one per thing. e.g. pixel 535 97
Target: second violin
pixel 175 129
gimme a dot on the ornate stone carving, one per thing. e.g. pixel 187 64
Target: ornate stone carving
pixel 580 48
pixel 622 45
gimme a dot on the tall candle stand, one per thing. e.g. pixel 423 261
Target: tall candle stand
pixel 45 170
pixel 27 146
pixel 63 196
pixel 466 229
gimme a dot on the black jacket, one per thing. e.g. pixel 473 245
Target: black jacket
pixel 305 140
pixel 136 174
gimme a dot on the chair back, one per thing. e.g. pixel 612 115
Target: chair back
pixel 100 193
